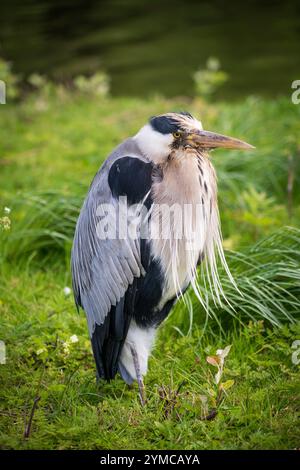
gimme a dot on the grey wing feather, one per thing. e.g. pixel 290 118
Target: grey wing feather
pixel 102 269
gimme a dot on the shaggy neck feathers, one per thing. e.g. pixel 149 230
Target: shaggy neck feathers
pixel 189 189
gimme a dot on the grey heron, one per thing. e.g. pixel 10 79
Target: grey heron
pixel 128 280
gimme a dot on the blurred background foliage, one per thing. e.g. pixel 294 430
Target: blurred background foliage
pixel 156 46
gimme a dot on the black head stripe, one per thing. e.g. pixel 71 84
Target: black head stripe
pixel 186 113
pixel 169 123
pixel 164 124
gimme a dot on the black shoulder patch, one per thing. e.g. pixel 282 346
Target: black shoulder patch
pixel 164 124
pixel 131 177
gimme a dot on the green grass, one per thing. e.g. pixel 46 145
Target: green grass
pixel 51 145
pixel 260 411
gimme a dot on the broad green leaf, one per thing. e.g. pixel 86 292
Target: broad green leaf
pixel 227 385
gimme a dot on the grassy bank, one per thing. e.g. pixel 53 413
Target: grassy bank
pixel 51 145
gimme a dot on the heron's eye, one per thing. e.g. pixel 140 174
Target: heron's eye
pixel 176 135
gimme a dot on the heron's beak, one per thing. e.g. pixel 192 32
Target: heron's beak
pixel 211 140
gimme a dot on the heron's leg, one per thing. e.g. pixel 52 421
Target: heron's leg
pixel 138 374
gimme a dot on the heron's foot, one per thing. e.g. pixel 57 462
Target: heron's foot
pixel 142 392
pixel 139 376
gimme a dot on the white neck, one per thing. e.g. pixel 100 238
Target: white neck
pixel 154 145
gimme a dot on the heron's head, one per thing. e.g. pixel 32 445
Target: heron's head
pixel 169 132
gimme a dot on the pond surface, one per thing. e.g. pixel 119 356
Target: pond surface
pixel 150 46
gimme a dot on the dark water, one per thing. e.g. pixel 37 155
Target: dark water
pixel 155 46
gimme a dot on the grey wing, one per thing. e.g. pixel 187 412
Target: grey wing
pixel 102 269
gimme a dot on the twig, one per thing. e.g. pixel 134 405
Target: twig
pixel 184 382
pixel 28 427
pixel 290 185
pixel 34 406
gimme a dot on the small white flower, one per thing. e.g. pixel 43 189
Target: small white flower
pixel 5 223
pixel 7 210
pixel 40 351
pixel 67 291
pixel 66 347
pixel 74 339
pixel 221 353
